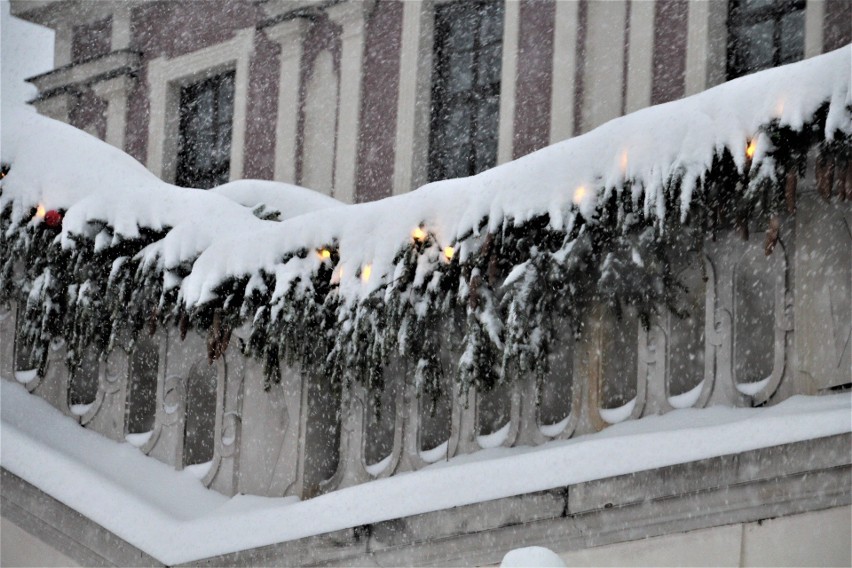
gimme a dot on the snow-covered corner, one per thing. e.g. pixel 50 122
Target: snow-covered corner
pixel 176 520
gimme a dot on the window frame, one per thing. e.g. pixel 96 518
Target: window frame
pixel 165 78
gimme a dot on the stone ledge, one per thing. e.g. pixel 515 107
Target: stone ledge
pixel 794 478
pixel 751 486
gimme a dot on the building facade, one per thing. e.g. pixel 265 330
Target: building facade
pixel 366 99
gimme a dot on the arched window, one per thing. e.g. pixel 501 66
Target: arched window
pixel 200 417
pixel 142 386
pixel 83 387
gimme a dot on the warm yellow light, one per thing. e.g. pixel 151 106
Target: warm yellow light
pixel 624 161
pixel 41 211
pixel 418 234
pixel 579 194
pixel 449 252
pixel 325 254
pixel 366 270
pixel 752 146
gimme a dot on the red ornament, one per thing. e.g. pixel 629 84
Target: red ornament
pixel 53 218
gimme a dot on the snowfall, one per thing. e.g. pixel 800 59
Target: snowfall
pixel 174 518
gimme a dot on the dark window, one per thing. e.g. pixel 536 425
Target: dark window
pixel 764 34
pixel 466 88
pixel 206 114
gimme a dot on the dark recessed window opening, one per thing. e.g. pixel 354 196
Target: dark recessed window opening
pixel 764 34
pixel 465 88
pixel 206 117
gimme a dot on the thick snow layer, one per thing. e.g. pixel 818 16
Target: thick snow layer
pixel 176 520
pixel 290 200
pixel 61 167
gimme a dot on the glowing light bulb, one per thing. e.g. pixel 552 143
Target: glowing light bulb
pixel 623 162
pixel 366 270
pixel 579 194
pixel 752 146
pixel 41 211
pixel 325 254
pixel 418 234
pixel 449 252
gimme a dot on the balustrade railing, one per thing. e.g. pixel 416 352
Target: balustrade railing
pixel 759 329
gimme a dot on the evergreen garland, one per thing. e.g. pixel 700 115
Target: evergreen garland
pixel 488 312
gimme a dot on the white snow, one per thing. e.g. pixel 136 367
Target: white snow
pixel 378 467
pixel 26 376
pixel 532 557
pixel 439 452
pixel 688 398
pixel 751 389
pixel 496 438
pixel 80 409
pixel 552 430
pixel 619 413
pixel 139 439
pixel 640 151
pixel 176 520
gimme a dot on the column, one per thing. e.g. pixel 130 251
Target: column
pixel 289 36
pixel 350 16
pixel 115 92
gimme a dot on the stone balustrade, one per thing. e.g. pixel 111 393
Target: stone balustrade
pixel 760 329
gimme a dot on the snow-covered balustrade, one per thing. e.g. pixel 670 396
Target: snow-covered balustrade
pixel 279 343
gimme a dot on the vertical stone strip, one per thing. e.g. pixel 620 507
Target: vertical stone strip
pixel 640 51
pixel 565 30
pixel 350 16
pixel 508 78
pixel 379 103
pixel 814 19
pixel 535 71
pixel 115 92
pixel 580 69
pixel 415 82
pixel 670 26
pixel 289 35
pixel 625 62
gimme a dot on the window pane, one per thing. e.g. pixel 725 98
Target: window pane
pixel 792 37
pixel 489 64
pixel 486 154
pixel 459 71
pixel 460 30
pixel 757 47
pixel 456 162
pixel 754 5
pixel 491 25
pixel 458 126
